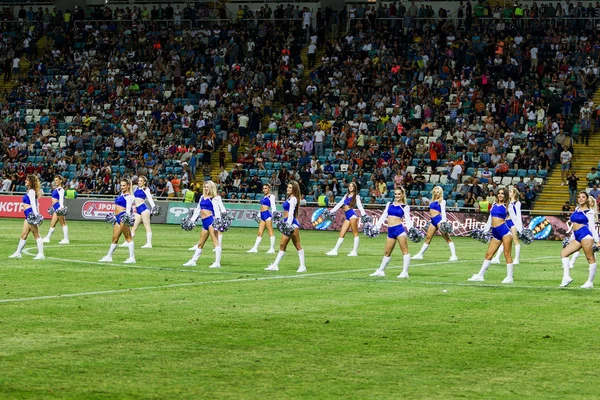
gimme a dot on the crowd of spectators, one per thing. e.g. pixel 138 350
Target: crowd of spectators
pixel 405 96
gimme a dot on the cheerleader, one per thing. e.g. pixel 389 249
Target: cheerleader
pixel 437 211
pixel 515 223
pixel 290 212
pixel 209 207
pixel 349 202
pixel 58 201
pixel 394 213
pixel 123 205
pixel 218 201
pixel 501 234
pixel 140 195
pixel 267 208
pixel 30 201
pixel 584 234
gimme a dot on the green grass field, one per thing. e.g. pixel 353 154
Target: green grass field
pixel 74 328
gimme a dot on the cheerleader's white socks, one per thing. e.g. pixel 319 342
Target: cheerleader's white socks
pixel 405 265
pixel 302 267
pixel 592 273
pixel 566 278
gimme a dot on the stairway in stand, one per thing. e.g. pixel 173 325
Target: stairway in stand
pixel 585 157
pixel 43 44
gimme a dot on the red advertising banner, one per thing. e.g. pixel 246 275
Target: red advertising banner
pixel 12 206
pixel 97 209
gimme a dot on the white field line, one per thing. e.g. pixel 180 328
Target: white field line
pixel 27 251
pixel 259 278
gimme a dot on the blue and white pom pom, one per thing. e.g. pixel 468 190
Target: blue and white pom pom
pixel 446 227
pixel 526 236
pixel 370 230
pixel 255 215
pixel 366 219
pixel 480 235
pixel 328 216
pixel 595 248
pixel 566 242
pixel 156 210
pixel 110 218
pixel 187 224
pixel 62 212
pixel 35 219
pixel 223 223
pixel 51 211
pixel 285 228
pixel 416 235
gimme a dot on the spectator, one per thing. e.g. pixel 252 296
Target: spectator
pixel 572 180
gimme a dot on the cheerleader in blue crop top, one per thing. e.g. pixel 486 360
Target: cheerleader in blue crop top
pixel 395 213
pixel 584 234
pixel 437 211
pixel 290 213
pixel 123 206
pixel 58 201
pixel 209 207
pixel 31 206
pixel 267 208
pixel 500 235
pixel 142 213
pixel 515 224
pixel 348 203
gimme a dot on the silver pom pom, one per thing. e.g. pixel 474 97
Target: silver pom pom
pixel 35 219
pixel 328 216
pixel 156 210
pixel 370 230
pixel 51 211
pixel 285 228
pixel 128 220
pixel 566 242
pixel 110 218
pixel 480 235
pixel 63 211
pixel 187 224
pixel 446 227
pixel 255 215
pixel 277 216
pixel 366 219
pixel 526 236
pixel 416 235
pixel 222 224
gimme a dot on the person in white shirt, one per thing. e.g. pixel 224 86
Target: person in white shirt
pixel 319 141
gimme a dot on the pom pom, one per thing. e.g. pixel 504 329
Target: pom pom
pixel 35 219
pixel 566 242
pixel 285 228
pixel 63 211
pixel 255 215
pixel 366 219
pixel 416 235
pixel 446 227
pixel 328 216
pixel 480 235
pixel 224 222
pixel 595 248
pixel 156 210
pixel 187 224
pixel 526 236
pixel 110 218
pixel 128 220
pixel 51 211
pixel 370 230
pixel 277 216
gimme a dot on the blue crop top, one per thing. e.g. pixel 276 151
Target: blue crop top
pixel 580 217
pixel 121 201
pixel 499 211
pixel 266 201
pixel 436 206
pixel 396 211
pixel 26 200
pixel 55 194
pixel 139 193
pixel 206 204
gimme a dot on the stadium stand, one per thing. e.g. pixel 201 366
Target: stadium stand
pixel 395 95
